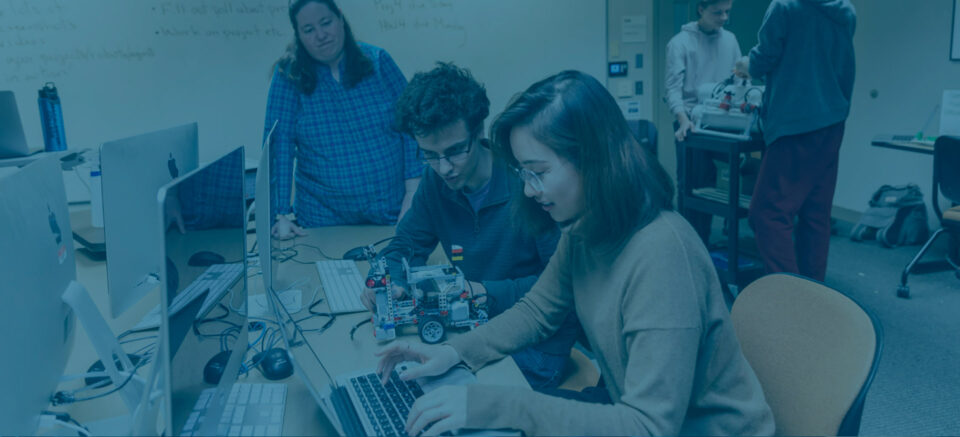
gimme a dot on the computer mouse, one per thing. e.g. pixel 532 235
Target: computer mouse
pixel 356 254
pixel 205 259
pixel 98 367
pixel 275 363
pixel 215 367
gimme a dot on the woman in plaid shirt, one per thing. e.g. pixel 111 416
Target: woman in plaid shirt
pixel 332 100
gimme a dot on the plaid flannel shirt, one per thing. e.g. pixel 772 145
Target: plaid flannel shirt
pixel 351 163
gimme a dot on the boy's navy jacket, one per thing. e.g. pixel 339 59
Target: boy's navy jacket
pixel 497 251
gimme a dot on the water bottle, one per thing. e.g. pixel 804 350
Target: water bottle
pixel 51 118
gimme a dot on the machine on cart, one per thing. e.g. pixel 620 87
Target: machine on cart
pixel 729 109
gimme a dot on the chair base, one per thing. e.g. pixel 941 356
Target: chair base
pixel 915 266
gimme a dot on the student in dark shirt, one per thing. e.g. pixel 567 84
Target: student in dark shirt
pixel 465 201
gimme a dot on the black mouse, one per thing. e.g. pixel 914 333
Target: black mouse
pixel 98 367
pixel 214 368
pixel 275 363
pixel 205 259
pixel 356 254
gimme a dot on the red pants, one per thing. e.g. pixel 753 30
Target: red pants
pixel 790 209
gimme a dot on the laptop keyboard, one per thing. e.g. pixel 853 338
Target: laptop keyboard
pixel 386 407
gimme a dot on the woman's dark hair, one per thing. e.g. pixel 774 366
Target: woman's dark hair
pixel 297 64
pixel 438 98
pixel 624 186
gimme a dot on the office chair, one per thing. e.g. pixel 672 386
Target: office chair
pixel 646 134
pixel 946 180
pixel 814 350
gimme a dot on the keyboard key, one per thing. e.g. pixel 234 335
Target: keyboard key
pixel 234 430
pixel 238 414
pixel 273 430
pixel 260 430
pixel 247 431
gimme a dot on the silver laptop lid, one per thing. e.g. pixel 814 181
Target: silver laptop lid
pixel 13 142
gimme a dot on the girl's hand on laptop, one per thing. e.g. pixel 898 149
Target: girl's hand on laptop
pixel 435 359
pixel 441 410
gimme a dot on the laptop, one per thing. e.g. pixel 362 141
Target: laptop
pixel 355 402
pixel 13 142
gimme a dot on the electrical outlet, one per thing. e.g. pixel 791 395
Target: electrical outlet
pixel 638 87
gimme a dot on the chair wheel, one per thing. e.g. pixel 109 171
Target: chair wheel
pixel 903 291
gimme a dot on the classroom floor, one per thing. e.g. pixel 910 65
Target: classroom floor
pixel 917 387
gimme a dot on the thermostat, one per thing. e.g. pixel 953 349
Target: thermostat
pixel 617 69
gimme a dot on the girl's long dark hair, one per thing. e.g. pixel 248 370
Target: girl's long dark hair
pixel 624 186
pixel 297 64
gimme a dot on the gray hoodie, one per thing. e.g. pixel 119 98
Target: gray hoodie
pixel 695 58
pixel 805 56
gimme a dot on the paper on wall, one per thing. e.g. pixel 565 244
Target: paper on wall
pixel 950 113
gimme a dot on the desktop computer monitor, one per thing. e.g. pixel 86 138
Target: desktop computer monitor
pixel 204 320
pixel 266 212
pixel 36 266
pixel 133 169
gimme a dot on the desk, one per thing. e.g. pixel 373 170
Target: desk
pixel 902 142
pixel 338 352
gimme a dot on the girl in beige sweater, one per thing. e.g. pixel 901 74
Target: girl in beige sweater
pixel 635 273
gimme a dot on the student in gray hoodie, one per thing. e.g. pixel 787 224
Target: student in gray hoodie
pixel 805 56
pixel 703 52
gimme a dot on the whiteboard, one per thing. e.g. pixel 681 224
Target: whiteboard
pixel 124 67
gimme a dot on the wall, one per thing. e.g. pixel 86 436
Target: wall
pixel 126 67
pixel 625 42
pixel 903 54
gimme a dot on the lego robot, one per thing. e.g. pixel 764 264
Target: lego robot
pixel 437 298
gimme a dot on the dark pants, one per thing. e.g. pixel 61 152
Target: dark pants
pixel 790 209
pixel 542 370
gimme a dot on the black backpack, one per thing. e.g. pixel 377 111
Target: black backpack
pixel 897 216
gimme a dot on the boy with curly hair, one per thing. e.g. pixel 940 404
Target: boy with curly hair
pixel 464 203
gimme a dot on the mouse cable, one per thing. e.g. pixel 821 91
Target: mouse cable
pixel 63 420
pixel 299 330
pixel 324 255
pixel 358 325
pixel 62 397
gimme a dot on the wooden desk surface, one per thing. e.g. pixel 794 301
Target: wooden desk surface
pixel 337 352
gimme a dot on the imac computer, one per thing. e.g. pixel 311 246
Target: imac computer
pixel 36 266
pixel 203 326
pixel 265 212
pixel 133 169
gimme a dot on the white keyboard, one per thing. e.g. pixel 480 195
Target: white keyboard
pixel 218 278
pixel 342 284
pixel 251 410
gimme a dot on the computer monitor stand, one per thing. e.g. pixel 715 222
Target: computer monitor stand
pixel 105 344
